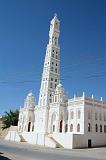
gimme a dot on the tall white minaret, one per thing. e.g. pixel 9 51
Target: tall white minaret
pixel 51 70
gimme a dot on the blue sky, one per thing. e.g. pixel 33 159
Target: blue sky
pixel 24 28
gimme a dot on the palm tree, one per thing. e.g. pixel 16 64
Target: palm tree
pixel 10 118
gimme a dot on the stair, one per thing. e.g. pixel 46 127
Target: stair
pixel 22 138
pixel 58 145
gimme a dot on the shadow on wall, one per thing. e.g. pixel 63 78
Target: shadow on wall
pixel 3 158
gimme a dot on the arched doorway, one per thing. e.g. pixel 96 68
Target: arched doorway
pixel 29 126
pixel 61 125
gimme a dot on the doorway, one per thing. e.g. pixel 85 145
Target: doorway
pixel 89 143
pixel 61 124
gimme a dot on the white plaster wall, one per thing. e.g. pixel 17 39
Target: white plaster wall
pixel 12 136
pixel 39 139
pixel 65 139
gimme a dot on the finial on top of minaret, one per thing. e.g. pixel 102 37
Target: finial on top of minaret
pixel 55 15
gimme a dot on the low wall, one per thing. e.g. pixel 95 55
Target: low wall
pixel 38 139
pixel 12 136
pixel 65 139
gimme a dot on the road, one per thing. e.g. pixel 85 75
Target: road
pixel 24 151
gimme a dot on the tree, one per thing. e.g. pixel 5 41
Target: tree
pixel 10 118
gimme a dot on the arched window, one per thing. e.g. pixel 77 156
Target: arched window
pixel 89 115
pixel 100 128
pixel 66 116
pixel 100 116
pixel 104 128
pixel 78 127
pixel 89 127
pixel 53 128
pixel 29 126
pixel 104 117
pixel 71 128
pixel 96 116
pixel 55 98
pixel 96 128
pixel 79 114
pixel 72 115
pixel 66 128
pixel 32 128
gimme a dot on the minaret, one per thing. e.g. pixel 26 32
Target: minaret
pixel 51 70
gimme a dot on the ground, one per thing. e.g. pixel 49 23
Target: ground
pixel 24 151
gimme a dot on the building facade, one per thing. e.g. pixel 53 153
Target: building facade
pixel 58 121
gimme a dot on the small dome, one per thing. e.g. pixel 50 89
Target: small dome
pixel 59 88
pixel 30 94
pixel 59 85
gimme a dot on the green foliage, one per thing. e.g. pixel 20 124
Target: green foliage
pixel 10 118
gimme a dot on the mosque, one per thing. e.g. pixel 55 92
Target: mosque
pixel 57 121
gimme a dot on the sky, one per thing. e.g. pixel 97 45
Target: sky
pixel 24 33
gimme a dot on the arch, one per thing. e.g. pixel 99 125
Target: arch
pixel 78 127
pixel 53 122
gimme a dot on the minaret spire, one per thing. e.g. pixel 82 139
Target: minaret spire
pixel 51 70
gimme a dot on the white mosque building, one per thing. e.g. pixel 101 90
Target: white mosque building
pixel 58 121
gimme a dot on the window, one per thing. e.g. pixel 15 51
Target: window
pixel 55 70
pixel 66 115
pixel 52 63
pixel 56 64
pixel 96 116
pixel 50 100
pixel 72 115
pixel 71 128
pixel 104 117
pixel 89 115
pixel 51 79
pixel 78 127
pixel 51 85
pixel 55 98
pixel 53 50
pixel 79 114
pixel 104 128
pixel 55 80
pixel 56 56
pixel 89 127
pixel 100 116
pixel 96 128
pixel 55 85
pixel 53 128
pixel 66 128
pixel 32 128
pixel 50 95
pixel 100 128
pixel 52 69
pixel 53 55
